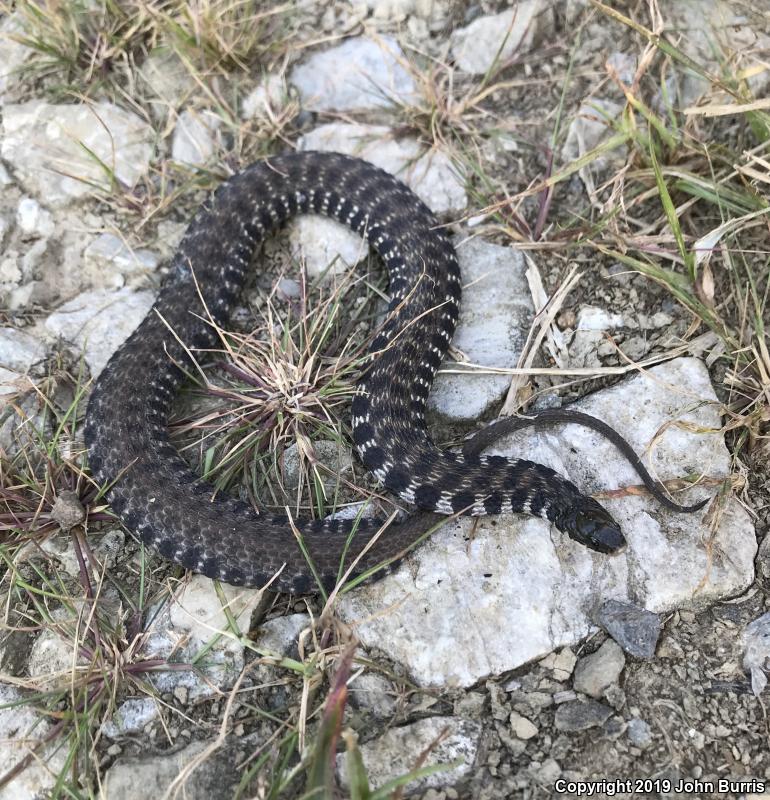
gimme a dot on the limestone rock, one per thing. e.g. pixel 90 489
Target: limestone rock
pixel 63 152
pixel 99 322
pixel 358 74
pixel 519 568
pixel 395 752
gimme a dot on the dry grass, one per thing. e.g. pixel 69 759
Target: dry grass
pixel 85 47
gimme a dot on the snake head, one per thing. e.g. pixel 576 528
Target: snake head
pixel 587 522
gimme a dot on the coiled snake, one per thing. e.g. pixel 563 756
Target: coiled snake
pixel 155 493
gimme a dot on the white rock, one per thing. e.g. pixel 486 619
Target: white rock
pixel 105 547
pixel 624 64
pixel 358 74
pixel 13 56
pixel 374 692
pixel 33 219
pixel 396 10
pixel 11 383
pixel 99 322
pixel 756 655
pixel 522 727
pixel 705 23
pixel 10 272
pixel 599 670
pixel 19 350
pixel 194 140
pixel 266 99
pixel 396 751
pixel 108 260
pixel 194 619
pixel 61 152
pixel 431 175
pixel 324 245
pixel 21 727
pixel 131 717
pixel 588 337
pixel 476 46
pixel 152 776
pixel 518 568
pixel 51 659
pixel 561 663
pixel 592 318
pixel 3 230
pixel 592 125
pixel 495 313
pixel 278 636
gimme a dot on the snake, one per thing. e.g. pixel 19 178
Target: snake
pixel 162 501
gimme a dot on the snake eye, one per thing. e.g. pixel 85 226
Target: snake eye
pixel 592 526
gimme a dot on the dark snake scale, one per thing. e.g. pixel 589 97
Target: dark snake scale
pixel 158 497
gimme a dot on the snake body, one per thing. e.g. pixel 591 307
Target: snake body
pixel 155 493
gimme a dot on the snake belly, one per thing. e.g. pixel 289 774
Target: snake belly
pixel 156 494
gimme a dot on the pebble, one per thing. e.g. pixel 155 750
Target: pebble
pixel 756 654
pixel 32 219
pixel 601 669
pixel 581 715
pixel 639 733
pixel 67 510
pixel 522 727
pixel 635 629
pixel 561 664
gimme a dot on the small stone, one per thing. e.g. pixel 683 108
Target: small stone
pixel 547 773
pixel 24 729
pixel 156 775
pixel 635 629
pixel 639 733
pixel 181 694
pixel 267 98
pixel 522 727
pixel 615 696
pixel 193 142
pixel 19 351
pixel 581 715
pixel 561 663
pixel 375 693
pixel 358 74
pixel 596 672
pixel 623 65
pixel 131 717
pixel 592 318
pixel 32 219
pixel 334 462
pixel 470 704
pixel 289 289
pixel 99 322
pixel 495 314
pixel 278 636
pixel 493 39
pixel 393 752
pixel 108 258
pixel 199 616
pixel 67 510
pixel 756 654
